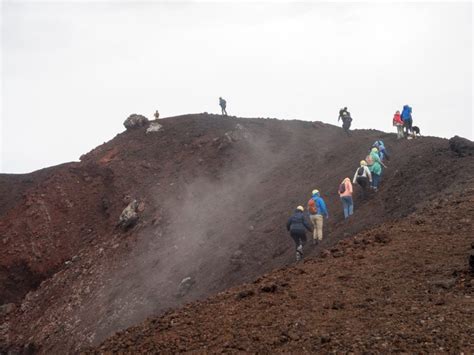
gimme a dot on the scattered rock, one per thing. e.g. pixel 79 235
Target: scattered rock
pixel 382 238
pixel 445 283
pixel 154 127
pixel 244 294
pixel 337 305
pixel 324 253
pixel 325 338
pixel 185 286
pixel 7 308
pixel 135 121
pixel 269 288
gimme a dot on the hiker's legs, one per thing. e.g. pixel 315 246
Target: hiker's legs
pixel 375 180
pixel 299 239
pixel 319 226
pixel 313 219
pixel 350 201
pixel 345 207
pixel 348 206
pixel 363 183
pixel 399 131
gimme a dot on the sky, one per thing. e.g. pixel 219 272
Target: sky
pixel 73 71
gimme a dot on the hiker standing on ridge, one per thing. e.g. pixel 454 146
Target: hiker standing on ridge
pixel 363 177
pixel 223 105
pixel 407 119
pixel 346 118
pixel 345 193
pixel 297 226
pixel 156 114
pixel 317 209
pixel 398 122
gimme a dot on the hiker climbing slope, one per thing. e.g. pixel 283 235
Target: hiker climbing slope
pixel 223 105
pixel 375 167
pixel 317 210
pixel 345 193
pixel 363 177
pixel 297 226
pixel 346 118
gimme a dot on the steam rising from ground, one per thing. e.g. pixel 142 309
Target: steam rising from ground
pixel 195 242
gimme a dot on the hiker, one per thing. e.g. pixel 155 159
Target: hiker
pixel 297 226
pixel 398 122
pixel 223 105
pixel 346 118
pixel 375 167
pixel 156 114
pixel 363 177
pixel 407 119
pixel 317 209
pixel 345 193
pixel 382 151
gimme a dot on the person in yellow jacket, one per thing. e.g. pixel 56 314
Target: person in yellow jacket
pixel 345 193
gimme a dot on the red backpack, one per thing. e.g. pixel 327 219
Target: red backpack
pixel 312 208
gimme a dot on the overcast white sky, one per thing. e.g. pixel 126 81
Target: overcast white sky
pixel 73 71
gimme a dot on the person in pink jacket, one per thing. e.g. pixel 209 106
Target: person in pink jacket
pixel 345 193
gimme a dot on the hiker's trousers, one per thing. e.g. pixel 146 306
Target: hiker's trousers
pixel 317 221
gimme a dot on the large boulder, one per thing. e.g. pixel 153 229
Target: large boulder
pixel 129 216
pixel 461 146
pixel 135 121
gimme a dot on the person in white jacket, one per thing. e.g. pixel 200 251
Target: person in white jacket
pixel 363 177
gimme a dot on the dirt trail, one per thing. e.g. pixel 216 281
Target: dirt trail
pixel 216 194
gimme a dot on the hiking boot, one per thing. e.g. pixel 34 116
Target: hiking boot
pixel 299 253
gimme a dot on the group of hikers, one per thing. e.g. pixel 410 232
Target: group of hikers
pixel 367 176
pixel 403 121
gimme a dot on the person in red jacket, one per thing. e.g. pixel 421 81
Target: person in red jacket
pixel 398 122
pixel 345 193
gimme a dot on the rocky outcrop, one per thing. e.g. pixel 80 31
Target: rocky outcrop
pixel 135 121
pixel 461 146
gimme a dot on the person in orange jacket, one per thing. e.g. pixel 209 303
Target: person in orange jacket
pixel 398 122
pixel 345 193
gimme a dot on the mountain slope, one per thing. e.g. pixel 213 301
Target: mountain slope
pixel 399 287
pixel 215 195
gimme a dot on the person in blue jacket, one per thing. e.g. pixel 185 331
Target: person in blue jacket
pixel 407 119
pixel 297 226
pixel 383 154
pixel 317 209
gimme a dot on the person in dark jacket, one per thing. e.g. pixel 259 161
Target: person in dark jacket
pixel 223 105
pixel 346 118
pixel 297 226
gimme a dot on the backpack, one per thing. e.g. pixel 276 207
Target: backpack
pixel 342 188
pixel 369 160
pixel 360 171
pixel 312 208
